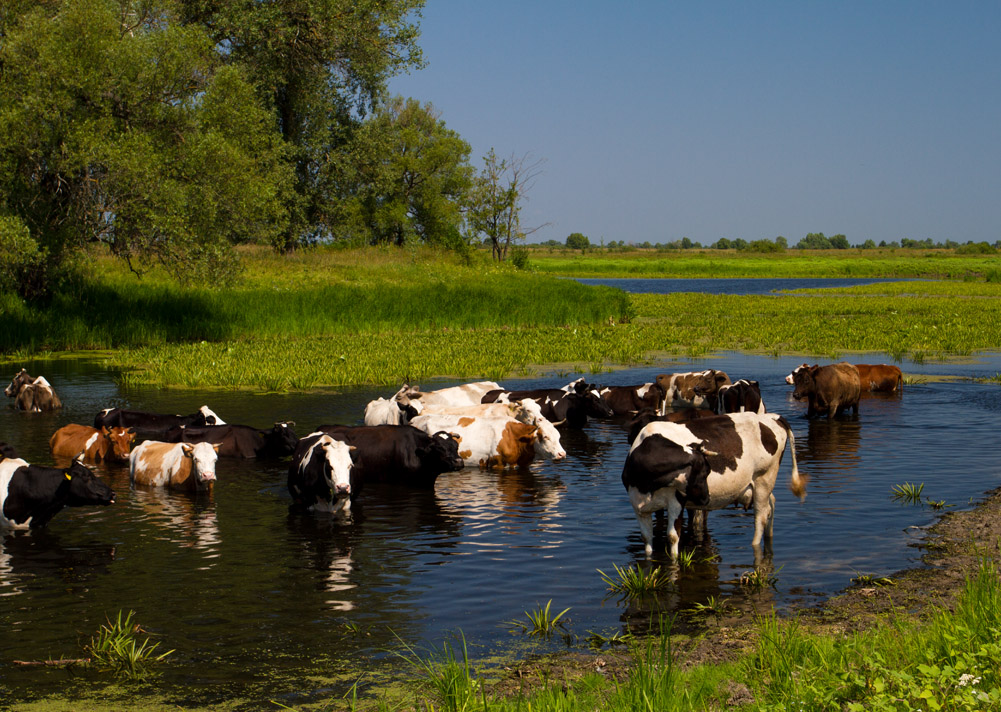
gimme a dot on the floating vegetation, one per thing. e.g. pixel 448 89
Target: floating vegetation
pixel 871 580
pixel 117 647
pixel 758 580
pixel 713 606
pixel 597 641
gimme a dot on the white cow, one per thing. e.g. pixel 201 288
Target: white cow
pixel 499 442
pixel 466 394
pixel 710 463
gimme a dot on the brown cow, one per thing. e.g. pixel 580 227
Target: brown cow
pixel 106 444
pixel 880 377
pixel 175 465
pixel 829 389
pixel 32 394
pixel 697 389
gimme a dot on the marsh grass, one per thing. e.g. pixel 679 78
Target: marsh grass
pixel 116 646
pixel 447 680
pixel 541 621
pixel 635 581
pixel 908 492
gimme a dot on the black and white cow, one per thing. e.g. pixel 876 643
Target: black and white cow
pixel 628 400
pixel 560 405
pixel 396 453
pixel 319 476
pixel 153 425
pixel 240 440
pixel 32 394
pixel 743 396
pixel 738 455
pixel 31 495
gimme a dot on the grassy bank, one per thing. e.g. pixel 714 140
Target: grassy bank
pixel 337 317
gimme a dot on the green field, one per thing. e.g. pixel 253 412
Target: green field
pixel 330 317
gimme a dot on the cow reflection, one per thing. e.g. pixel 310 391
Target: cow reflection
pixel 40 553
pixel 327 550
pixel 513 496
pixel 188 520
pixel 831 446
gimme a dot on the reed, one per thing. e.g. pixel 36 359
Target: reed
pixel 635 581
pixel 116 646
pixel 541 621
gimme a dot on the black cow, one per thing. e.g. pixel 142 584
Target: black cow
pixel 571 405
pixel 397 453
pixel 646 416
pixel 7 450
pixel 32 394
pixel 33 494
pixel 153 425
pixel 744 396
pixel 240 440
pixel 626 400
pixel 319 476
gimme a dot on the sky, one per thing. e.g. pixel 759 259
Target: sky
pixel 662 120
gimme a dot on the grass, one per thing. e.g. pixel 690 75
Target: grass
pixel 338 317
pixel 635 581
pixel 116 646
pixel 908 492
pixel 541 621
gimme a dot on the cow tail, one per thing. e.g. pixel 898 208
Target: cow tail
pixel 797 483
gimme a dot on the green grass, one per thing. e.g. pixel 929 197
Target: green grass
pixel 635 581
pixel 116 646
pixel 541 621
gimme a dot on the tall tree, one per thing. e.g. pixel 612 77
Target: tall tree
pixel 320 66
pixel 410 177
pixel 121 126
pixel 496 202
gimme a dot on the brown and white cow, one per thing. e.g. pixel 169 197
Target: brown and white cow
pixel 829 390
pixel 104 445
pixel 744 396
pixel 694 390
pixel 876 378
pixel 492 442
pixel 32 394
pixel 880 377
pixel 175 465
pixel 706 464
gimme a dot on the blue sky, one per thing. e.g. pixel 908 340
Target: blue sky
pixel 663 120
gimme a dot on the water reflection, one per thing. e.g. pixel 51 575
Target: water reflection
pixel 41 553
pixel 186 519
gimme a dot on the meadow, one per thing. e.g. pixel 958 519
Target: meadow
pixel 331 317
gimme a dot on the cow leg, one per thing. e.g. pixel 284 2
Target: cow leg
pixel 674 510
pixel 646 531
pixel 763 501
pixel 771 518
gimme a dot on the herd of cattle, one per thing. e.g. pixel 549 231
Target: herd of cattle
pixel 698 441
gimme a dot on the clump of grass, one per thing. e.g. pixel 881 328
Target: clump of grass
pixel 541 621
pixel 117 647
pixel 596 641
pixel 871 580
pixel 758 580
pixel 634 581
pixel 713 606
pixel 448 681
pixel 908 492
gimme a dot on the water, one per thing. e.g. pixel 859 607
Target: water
pixel 734 285
pixel 260 605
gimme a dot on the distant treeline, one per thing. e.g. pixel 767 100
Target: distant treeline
pixel 812 241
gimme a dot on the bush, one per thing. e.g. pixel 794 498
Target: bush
pixel 578 241
pixel 22 261
pixel 519 257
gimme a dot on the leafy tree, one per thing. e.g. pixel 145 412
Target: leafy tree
pixel 577 241
pixel 764 246
pixel 814 241
pixel 722 244
pixel 868 245
pixel 406 178
pixel 319 66
pixel 122 127
pixel 496 201
pixel 686 244
pixel 740 244
pixel 839 242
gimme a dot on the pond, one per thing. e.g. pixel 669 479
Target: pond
pixel 261 605
pixel 730 285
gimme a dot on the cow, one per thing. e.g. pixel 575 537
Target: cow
pixel 744 396
pixel 153 425
pixel 32 394
pixel 648 415
pixel 397 410
pixel 628 400
pixel 240 440
pixel 831 389
pixel 319 476
pixel 695 389
pixel 31 495
pixel 709 463
pixel 107 444
pixel 396 453
pixel 466 394
pixel 493 442
pixel 879 378
pixel 559 406
pixel 175 465
pixel 7 450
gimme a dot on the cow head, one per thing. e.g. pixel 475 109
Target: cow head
pixel 84 487
pixel 708 382
pixel 547 441
pixel 440 453
pixel 203 458
pixel 337 466
pixel 121 440
pixel 282 439
pixel 803 381
pixel 697 481
pixel 19 381
pixel 595 405
pixel 207 417
pixel 791 378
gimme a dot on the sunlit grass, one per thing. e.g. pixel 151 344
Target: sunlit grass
pixel 634 581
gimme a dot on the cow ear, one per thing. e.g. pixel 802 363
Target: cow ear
pixel 106 430
pixel 80 456
pixel 216 446
pixel 187 449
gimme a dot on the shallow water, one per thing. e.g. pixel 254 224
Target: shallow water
pixel 260 605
